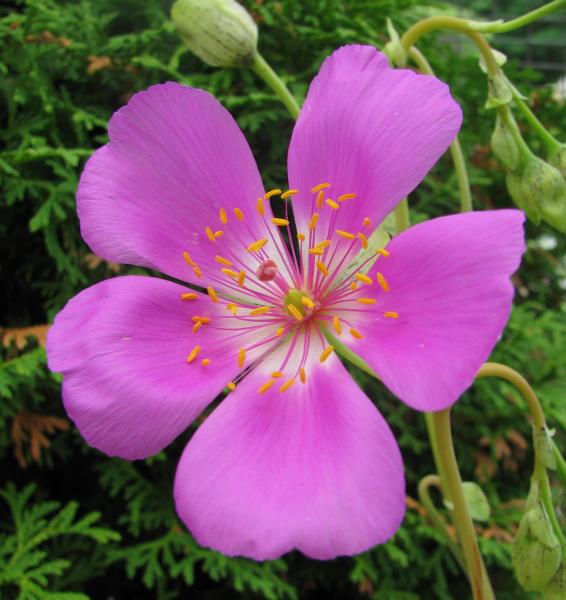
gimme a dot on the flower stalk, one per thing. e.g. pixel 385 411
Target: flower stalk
pixel 262 69
pixel 452 487
pixel 501 26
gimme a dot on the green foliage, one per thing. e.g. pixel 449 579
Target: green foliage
pixel 65 66
pixel 28 553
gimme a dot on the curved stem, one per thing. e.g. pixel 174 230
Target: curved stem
pixel 533 15
pixel 411 36
pixel 547 138
pixel 270 77
pixel 539 427
pixel 438 522
pixel 455 148
pixel 479 581
pixel 492 369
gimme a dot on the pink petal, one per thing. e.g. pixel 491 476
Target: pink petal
pixel 449 282
pixel 315 468
pixel 370 130
pixel 122 346
pixel 175 158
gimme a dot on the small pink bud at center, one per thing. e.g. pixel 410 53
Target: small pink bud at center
pixel 267 270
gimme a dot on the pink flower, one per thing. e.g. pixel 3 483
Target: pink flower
pixel 296 456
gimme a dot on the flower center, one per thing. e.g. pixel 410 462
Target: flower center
pixel 280 297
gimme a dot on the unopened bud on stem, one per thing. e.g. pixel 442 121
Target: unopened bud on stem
pixel 220 32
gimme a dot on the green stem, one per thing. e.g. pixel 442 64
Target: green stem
pixel 411 36
pixel 455 148
pixel 270 77
pixel 533 15
pixel 551 143
pixel 479 581
pixel 438 522
pixel 539 425
pixel 509 122
pixel 402 217
pixel 492 369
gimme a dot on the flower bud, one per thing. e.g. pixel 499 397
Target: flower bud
pixel 504 145
pixel 393 49
pixel 220 32
pixel 557 159
pixel 537 553
pixel 540 190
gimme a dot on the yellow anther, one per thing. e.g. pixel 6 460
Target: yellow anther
pixel 239 214
pixel 204 320
pixel 212 293
pixel 223 216
pixel 364 278
pixel 189 260
pixel 319 199
pixel 346 197
pixel 271 193
pixel 313 221
pixel 316 251
pixel 302 375
pixel 231 386
pixel 326 353
pixel 289 193
pixel 301 237
pixel 295 312
pixel 233 308
pixel 241 357
pixel 366 301
pixel 366 222
pixel 205 361
pixel 279 331
pixel 337 325
pixel 266 386
pixel 363 240
pixel 193 354
pixel 189 296
pixel 259 207
pixel 261 310
pixel 356 334
pixel 306 301
pixel 320 186
pixel 287 385
pixel 197 271
pixel 241 278
pixel 322 268
pixel 257 245
pixel 280 222
pixel 391 315
pixel 230 273
pixel 276 374
pixel 333 205
pixel 382 282
pixel 354 285
pixel 383 252
pixel 223 261
pixel 345 234
pixel 218 234
pixel 210 234
pixel 324 244
pixel 197 326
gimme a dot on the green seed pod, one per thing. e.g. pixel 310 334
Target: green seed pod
pixel 220 32
pixel 557 159
pixel 504 145
pixel 537 554
pixel 393 49
pixel 540 190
